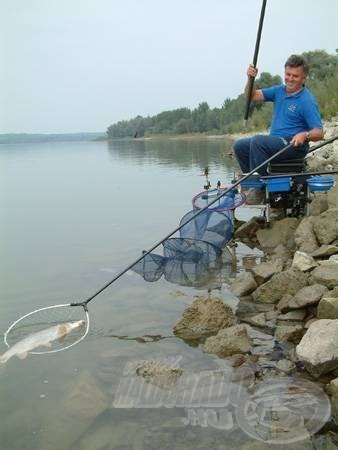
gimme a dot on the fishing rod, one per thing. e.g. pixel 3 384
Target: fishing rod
pixel 254 62
pixel 303 174
pixel 200 211
pixel 35 317
pixel 327 141
pixel 312 149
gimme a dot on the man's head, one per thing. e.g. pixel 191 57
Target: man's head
pixel 296 71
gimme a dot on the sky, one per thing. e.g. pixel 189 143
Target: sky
pixel 82 65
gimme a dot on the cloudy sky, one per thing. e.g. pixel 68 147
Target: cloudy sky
pixel 81 65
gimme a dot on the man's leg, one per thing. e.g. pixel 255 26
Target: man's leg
pixel 263 147
pixel 242 153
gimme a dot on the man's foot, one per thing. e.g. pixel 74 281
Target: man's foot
pixel 254 196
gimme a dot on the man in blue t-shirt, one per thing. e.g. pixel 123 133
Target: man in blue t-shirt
pixel 296 119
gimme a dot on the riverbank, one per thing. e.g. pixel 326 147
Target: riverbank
pixel 285 323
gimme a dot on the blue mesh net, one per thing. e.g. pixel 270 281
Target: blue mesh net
pixel 194 257
pixel 194 264
pixel 210 226
pixel 227 202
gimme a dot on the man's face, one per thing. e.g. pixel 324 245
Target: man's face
pixel 294 78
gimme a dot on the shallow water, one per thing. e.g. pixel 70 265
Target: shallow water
pixel 72 216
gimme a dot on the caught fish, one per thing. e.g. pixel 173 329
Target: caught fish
pixel 41 338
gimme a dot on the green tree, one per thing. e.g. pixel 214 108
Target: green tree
pixel 323 81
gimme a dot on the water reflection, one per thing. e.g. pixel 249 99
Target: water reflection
pixel 179 153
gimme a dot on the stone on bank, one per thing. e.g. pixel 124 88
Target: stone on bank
pixel 318 348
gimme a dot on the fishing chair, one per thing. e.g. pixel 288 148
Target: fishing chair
pixel 286 166
pixel 294 198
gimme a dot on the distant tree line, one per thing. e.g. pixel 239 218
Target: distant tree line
pixel 323 81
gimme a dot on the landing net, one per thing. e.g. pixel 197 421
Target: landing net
pixel 200 251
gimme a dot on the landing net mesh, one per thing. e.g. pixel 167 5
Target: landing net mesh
pixel 193 258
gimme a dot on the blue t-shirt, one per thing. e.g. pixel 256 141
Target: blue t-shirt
pixel 292 113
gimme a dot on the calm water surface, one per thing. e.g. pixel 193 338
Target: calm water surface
pixel 72 216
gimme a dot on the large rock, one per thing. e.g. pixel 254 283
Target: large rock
pixel 319 204
pixel 281 232
pixel 318 348
pixel 305 237
pixel 292 333
pixel 248 229
pixel 203 318
pixel 288 282
pixel 303 261
pixel 229 341
pixel 326 274
pixel 325 158
pixel 334 292
pixel 308 295
pixel 281 254
pixel 295 315
pixel 244 284
pixel 264 319
pixel 262 272
pixel 333 392
pixel 324 251
pixel 283 304
pixel 332 195
pixel 325 226
pixel 328 308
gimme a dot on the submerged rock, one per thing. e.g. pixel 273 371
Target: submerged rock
pixel 160 375
pixel 229 341
pixel 203 318
pixel 318 348
pixel 74 412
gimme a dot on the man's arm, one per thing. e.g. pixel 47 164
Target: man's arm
pixel 316 134
pixel 257 94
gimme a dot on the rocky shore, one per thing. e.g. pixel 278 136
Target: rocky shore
pixel 282 321
pixel 286 320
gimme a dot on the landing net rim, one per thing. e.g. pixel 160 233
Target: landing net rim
pixel 216 192
pixel 35 311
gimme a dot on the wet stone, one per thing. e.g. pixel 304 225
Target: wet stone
pixel 203 318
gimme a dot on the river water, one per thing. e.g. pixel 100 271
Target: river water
pixel 72 216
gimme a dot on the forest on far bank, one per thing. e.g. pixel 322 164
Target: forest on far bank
pixel 322 81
